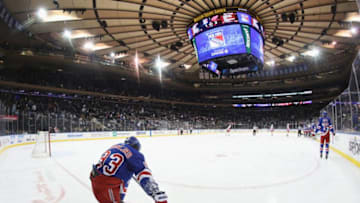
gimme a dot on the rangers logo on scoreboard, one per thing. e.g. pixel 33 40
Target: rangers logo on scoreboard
pixel 216 39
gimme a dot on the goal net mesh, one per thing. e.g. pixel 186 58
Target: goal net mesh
pixel 42 145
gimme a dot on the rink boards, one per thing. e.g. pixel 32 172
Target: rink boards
pixel 345 144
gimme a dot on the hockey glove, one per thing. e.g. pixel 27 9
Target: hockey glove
pixel 160 197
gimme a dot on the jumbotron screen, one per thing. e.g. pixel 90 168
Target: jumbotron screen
pixel 231 40
pixel 220 41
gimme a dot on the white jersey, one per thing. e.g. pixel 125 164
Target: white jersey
pixel 228 128
pixel 288 127
pixel 272 127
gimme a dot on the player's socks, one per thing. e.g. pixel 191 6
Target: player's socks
pixel 327 150
pixel 321 150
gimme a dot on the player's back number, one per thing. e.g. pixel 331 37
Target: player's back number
pixel 111 162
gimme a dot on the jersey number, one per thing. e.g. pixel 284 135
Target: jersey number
pixel 102 159
pixel 111 168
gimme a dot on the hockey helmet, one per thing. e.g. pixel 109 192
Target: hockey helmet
pixel 324 114
pixel 133 142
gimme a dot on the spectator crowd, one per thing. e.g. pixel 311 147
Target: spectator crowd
pixel 43 110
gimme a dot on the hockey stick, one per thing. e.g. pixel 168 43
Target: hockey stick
pixel 134 178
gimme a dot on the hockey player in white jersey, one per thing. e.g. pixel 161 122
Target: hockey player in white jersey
pixel 228 129
pixel 287 129
pixel 272 129
pixel 254 130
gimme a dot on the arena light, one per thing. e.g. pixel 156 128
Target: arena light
pixel 41 13
pixel 186 66
pixel 353 17
pixel 270 63
pixel 58 15
pixel 76 34
pixel 136 61
pixel 121 55
pixel 344 33
pixel 67 34
pixel 101 46
pixel 313 52
pixel 160 64
pixel 291 58
pixel 354 30
pixel 114 55
pixel 88 45
pixel 333 43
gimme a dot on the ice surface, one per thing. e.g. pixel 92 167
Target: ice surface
pixel 191 169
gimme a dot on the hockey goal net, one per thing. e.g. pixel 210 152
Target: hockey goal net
pixel 42 145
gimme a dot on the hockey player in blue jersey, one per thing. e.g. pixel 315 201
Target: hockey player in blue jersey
pixel 121 162
pixel 313 129
pixel 324 127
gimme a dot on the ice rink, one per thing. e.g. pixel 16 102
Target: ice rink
pixel 191 169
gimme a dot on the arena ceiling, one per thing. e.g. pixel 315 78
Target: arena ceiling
pixel 120 28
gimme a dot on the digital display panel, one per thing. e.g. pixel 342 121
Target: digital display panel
pixel 256 25
pixel 220 41
pixel 273 104
pixel 190 33
pixel 257 48
pixel 212 66
pixel 244 18
pixel 229 18
pixel 223 19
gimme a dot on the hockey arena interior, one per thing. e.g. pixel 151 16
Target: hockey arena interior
pixel 179 101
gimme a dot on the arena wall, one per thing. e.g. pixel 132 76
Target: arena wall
pixel 345 144
pixel 349 145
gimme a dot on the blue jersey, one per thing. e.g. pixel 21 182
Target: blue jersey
pixel 313 127
pixel 324 123
pixel 123 162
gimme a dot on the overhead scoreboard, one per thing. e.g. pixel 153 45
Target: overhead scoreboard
pixel 232 40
